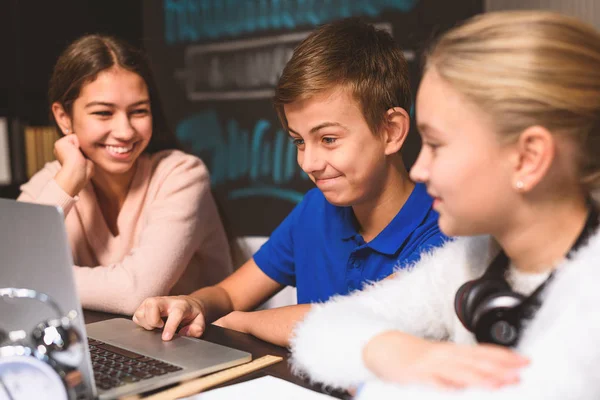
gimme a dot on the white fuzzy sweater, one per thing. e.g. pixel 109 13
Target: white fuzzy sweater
pixel 562 341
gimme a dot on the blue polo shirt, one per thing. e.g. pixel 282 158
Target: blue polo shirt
pixel 318 249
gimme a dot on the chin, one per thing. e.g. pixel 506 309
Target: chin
pixel 449 228
pixel 460 228
pixel 337 200
pixel 115 170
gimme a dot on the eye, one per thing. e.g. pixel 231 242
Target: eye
pixel 329 140
pixel 105 113
pixel 297 142
pixel 432 146
pixel 140 111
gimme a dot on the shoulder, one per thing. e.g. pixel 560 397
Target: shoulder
pixel 50 169
pixel 42 177
pixel 564 332
pixel 172 172
pixel 579 275
pixel 306 217
pixel 312 202
pixel 576 281
pixel 177 163
pixel 469 255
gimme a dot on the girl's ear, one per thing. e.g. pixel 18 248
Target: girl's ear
pixel 62 118
pixel 395 129
pixel 536 150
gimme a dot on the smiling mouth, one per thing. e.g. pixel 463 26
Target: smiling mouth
pixel 326 179
pixel 119 149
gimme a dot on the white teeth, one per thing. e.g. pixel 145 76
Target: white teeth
pixel 119 150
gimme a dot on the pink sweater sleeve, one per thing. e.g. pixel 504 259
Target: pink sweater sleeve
pixel 43 189
pixel 175 224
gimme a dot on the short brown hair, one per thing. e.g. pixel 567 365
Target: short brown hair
pixel 353 54
pixel 82 61
pixel 526 68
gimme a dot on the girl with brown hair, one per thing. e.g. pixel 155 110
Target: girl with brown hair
pixel 139 213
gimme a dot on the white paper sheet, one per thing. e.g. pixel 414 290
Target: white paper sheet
pixel 264 388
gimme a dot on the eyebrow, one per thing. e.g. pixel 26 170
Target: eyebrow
pixel 425 129
pixel 320 126
pixel 106 104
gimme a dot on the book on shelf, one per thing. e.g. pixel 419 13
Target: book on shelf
pixel 5 169
pixel 39 147
pixel 17 151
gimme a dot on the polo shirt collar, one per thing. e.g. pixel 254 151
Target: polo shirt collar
pixel 394 235
pixel 348 227
pixel 411 215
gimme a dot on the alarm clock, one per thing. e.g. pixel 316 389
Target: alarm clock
pixel 29 378
pixel 42 363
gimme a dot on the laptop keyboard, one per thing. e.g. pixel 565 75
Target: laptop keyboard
pixel 114 366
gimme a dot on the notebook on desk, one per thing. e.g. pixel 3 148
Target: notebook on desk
pixel 125 358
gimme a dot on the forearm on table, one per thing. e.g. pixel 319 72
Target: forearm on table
pixel 215 302
pixel 275 325
pixel 388 345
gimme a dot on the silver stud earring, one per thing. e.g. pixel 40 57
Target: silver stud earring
pixel 519 185
pixel 67 130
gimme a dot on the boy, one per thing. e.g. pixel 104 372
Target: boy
pixel 343 98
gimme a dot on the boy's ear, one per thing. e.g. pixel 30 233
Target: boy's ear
pixel 62 118
pixel 395 129
pixel 535 152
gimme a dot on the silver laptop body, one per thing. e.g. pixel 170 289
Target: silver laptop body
pixel 35 254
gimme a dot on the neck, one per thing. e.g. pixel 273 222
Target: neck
pixel 113 189
pixel 376 212
pixel 544 233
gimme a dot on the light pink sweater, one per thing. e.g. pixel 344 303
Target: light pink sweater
pixel 170 241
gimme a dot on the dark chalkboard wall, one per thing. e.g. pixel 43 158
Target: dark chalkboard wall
pixel 216 63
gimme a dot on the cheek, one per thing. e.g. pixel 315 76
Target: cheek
pixel 90 129
pixel 471 185
pixel 354 159
pixel 143 126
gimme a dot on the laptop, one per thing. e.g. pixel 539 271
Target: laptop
pixel 127 359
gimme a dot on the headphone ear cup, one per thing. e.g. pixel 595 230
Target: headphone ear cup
pixel 470 295
pixel 496 319
pixel 460 303
pixel 59 341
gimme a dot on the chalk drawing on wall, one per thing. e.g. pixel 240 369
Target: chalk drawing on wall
pixel 205 20
pixel 268 164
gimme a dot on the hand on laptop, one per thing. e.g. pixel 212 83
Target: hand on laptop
pixel 179 310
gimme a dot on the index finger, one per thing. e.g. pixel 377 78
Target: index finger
pixel 173 320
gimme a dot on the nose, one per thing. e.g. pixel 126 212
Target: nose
pixel 310 160
pixel 420 170
pixel 123 130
